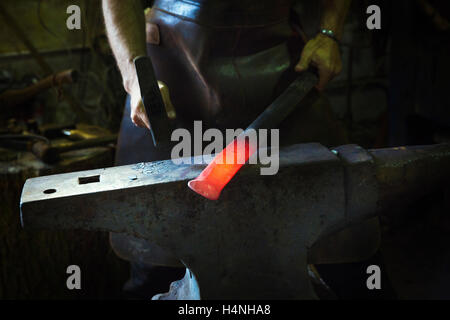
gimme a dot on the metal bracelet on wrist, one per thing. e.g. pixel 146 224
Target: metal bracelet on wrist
pixel 329 33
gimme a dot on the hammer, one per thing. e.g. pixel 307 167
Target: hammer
pixel 156 100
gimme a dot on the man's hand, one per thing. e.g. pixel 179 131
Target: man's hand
pixel 138 114
pixel 323 53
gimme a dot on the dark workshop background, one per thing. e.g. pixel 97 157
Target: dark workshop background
pixel 33 263
pixel 393 90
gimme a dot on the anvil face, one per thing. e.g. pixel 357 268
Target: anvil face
pixel 253 242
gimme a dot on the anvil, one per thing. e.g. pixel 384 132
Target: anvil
pixel 253 242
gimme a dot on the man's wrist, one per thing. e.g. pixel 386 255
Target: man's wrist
pixel 130 82
pixel 330 34
pixel 129 76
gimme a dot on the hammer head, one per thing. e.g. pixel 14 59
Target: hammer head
pixel 153 101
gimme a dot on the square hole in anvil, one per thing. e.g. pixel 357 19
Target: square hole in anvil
pixel 91 179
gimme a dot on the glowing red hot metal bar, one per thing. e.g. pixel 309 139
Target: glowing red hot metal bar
pixel 224 166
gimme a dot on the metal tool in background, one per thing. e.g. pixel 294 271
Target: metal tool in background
pixel 21 142
pixel 156 101
pixel 47 152
pixel 55 130
pixel 84 131
pixel 50 153
pixel 221 170
pixel 16 28
pixel 84 136
pixel 14 97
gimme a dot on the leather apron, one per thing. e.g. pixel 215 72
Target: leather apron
pixel 224 62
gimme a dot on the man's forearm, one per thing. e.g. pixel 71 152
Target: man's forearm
pixel 334 14
pixel 125 27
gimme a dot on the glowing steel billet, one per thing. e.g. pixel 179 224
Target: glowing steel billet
pixel 223 167
pixel 218 173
